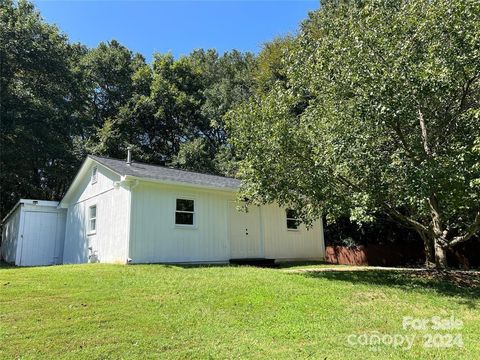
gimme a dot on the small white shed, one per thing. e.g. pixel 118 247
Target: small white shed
pixel 33 233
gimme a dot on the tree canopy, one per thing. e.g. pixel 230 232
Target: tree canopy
pixel 60 101
pixel 377 109
pixel 37 105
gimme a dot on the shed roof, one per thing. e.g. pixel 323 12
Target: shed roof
pixel 167 174
pixel 45 203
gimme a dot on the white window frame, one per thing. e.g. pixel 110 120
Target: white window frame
pixel 290 218
pixel 94 174
pixel 90 218
pixel 194 212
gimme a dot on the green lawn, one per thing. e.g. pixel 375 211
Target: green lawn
pixel 152 311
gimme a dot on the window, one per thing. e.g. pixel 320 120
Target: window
pixel 185 212
pixel 92 219
pixel 293 222
pixel 94 175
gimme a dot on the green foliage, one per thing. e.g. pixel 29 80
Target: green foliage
pixel 194 155
pixel 174 103
pixel 272 64
pixel 378 112
pixel 37 106
pixel 226 163
pixel 61 101
pixel 107 71
pixel 227 81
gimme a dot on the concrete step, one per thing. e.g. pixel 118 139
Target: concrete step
pixel 260 262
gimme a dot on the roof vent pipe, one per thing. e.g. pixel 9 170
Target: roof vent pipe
pixel 129 156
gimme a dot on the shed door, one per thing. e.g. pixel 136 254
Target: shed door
pixel 39 239
pixel 245 235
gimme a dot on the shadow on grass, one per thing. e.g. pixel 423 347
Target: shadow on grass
pixel 448 283
pixel 4 265
pixel 182 265
pixel 293 264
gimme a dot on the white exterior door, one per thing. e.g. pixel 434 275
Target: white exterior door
pixel 244 232
pixel 39 239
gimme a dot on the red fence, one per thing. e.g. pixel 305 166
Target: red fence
pixel 376 255
pixel 346 256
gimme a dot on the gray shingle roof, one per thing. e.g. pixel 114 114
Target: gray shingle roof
pixel 167 174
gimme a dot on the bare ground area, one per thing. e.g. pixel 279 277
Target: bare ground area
pixel 461 278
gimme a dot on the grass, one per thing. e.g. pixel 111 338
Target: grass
pixel 152 311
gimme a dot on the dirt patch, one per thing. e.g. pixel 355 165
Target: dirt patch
pixel 461 278
pixel 458 278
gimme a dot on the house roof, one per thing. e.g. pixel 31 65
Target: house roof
pixel 163 173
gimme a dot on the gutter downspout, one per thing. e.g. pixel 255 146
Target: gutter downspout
pixel 131 187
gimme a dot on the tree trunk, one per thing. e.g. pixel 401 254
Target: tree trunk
pixel 440 255
pixel 435 251
pixel 429 250
pixel 463 262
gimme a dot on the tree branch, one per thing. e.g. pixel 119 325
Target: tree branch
pixel 401 137
pixel 423 127
pixel 415 224
pixel 436 216
pixel 389 209
pixel 461 107
pixel 469 233
pixel 465 92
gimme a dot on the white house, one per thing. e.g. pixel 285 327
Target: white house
pixel 119 212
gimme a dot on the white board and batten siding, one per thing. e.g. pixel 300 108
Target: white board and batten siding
pixel 108 243
pixel 11 235
pixel 281 243
pixel 220 231
pixel 155 237
pixel 262 233
pixel 33 233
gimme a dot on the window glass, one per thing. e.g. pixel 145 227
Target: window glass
pixel 92 219
pixel 185 212
pixel 94 175
pixel 182 218
pixel 291 214
pixel 185 205
pixel 293 222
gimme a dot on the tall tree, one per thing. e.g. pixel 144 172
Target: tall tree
pixel 272 67
pixel 37 106
pixel 107 71
pixel 176 110
pixel 379 112
pixel 111 75
pixel 227 81
pixel 163 112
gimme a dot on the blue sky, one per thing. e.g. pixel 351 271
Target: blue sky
pixel 177 26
